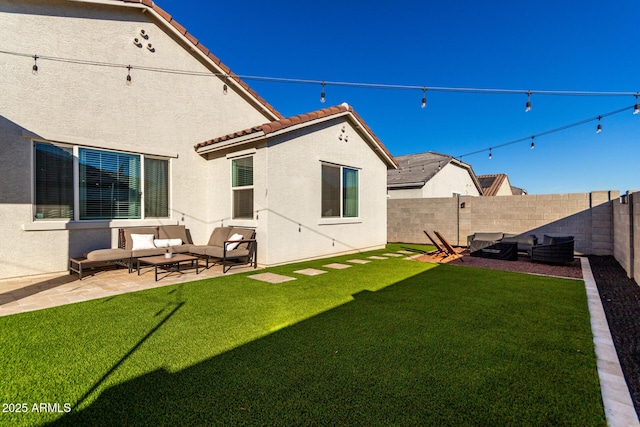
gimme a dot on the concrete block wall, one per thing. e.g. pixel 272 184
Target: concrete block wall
pixel 626 233
pixel 635 202
pixel 586 216
pixel 622 233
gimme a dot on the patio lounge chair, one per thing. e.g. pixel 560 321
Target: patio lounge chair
pixel 229 246
pixel 448 248
pixel 439 249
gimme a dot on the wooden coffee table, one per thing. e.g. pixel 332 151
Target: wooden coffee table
pixel 169 264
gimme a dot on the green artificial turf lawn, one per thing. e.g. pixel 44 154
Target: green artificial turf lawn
pixel 389 342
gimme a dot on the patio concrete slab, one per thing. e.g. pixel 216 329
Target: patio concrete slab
pixel 20 295
pixel 271 278
pixel 358 261
pixel 337 266
pixel 377 257
pixel 618 406
pixel 392 255
pixel 310 272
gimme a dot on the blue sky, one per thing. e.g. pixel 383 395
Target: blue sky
pixel 561 45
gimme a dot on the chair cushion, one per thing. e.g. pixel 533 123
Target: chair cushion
pixel 219 235
pixel 218 252
pixel 235 237
pixel 488 236
pixel 108 255
pixel 173 232
pixel 142 241
pixel 247 233
pixel 165 243
pixel 128 243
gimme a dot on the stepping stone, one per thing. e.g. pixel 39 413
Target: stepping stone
pixel 406 252
pixel 377 257
pixel 358 261
pixel 271 278
pixel 310 272
pixel 337 266
pixel 392 255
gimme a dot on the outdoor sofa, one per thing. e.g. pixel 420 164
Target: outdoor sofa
pixel 479 241
pixel 229 246
pixel 554 250
pixel 137 242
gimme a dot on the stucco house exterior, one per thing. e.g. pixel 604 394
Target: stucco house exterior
pixel 113 115
pixel 425 175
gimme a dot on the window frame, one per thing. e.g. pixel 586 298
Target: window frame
pixel 239 188
pixel 76 184
pixel 342 217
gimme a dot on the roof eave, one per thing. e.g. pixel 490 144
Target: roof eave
pixel 232 143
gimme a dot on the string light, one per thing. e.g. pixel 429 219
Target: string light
pixel 528 106
pixel 128 75
pixel 636 108
pixel 533 144
pixel 599 128
pixel 490 153
pixel 424 97
pixel 34 69
pixel 322 99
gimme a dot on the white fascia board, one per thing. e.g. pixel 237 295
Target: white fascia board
pixel 234 142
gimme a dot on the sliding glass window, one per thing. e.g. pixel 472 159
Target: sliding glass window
pixel 109 184
pixel 340 190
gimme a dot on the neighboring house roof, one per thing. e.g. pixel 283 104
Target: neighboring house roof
pixel 517 191
pixel 415 170
pixel 189 39
pixel 288 124
pixel 492 183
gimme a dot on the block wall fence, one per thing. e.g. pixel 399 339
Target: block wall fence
pixel 602 222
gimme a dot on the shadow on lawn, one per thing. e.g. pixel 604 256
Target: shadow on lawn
pixel 375 360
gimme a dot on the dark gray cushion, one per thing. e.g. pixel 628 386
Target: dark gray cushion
pixel 488 236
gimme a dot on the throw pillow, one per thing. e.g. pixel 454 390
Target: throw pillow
pixel 232 246
pixel 142 241
pixel 165 243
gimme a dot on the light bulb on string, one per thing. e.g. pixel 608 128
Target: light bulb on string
pixel 599 128
pixel 490 154
pixel 128 75
pixel 34 69
pixel 322 97
pixel 528 105
pixel 424 97
pixel 636 108
pixel 533 144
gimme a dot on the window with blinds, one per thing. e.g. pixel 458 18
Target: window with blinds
pixel 242 187
pixel 110 184
pixel 53 181
pixel 340 190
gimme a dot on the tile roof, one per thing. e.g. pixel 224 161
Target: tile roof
pixel 491 183
pixel 194 41
pixel 415 170
pixel 302 119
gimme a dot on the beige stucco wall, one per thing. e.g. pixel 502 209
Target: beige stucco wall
pixel 449 180
pixel 287 193
pixel 159 114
